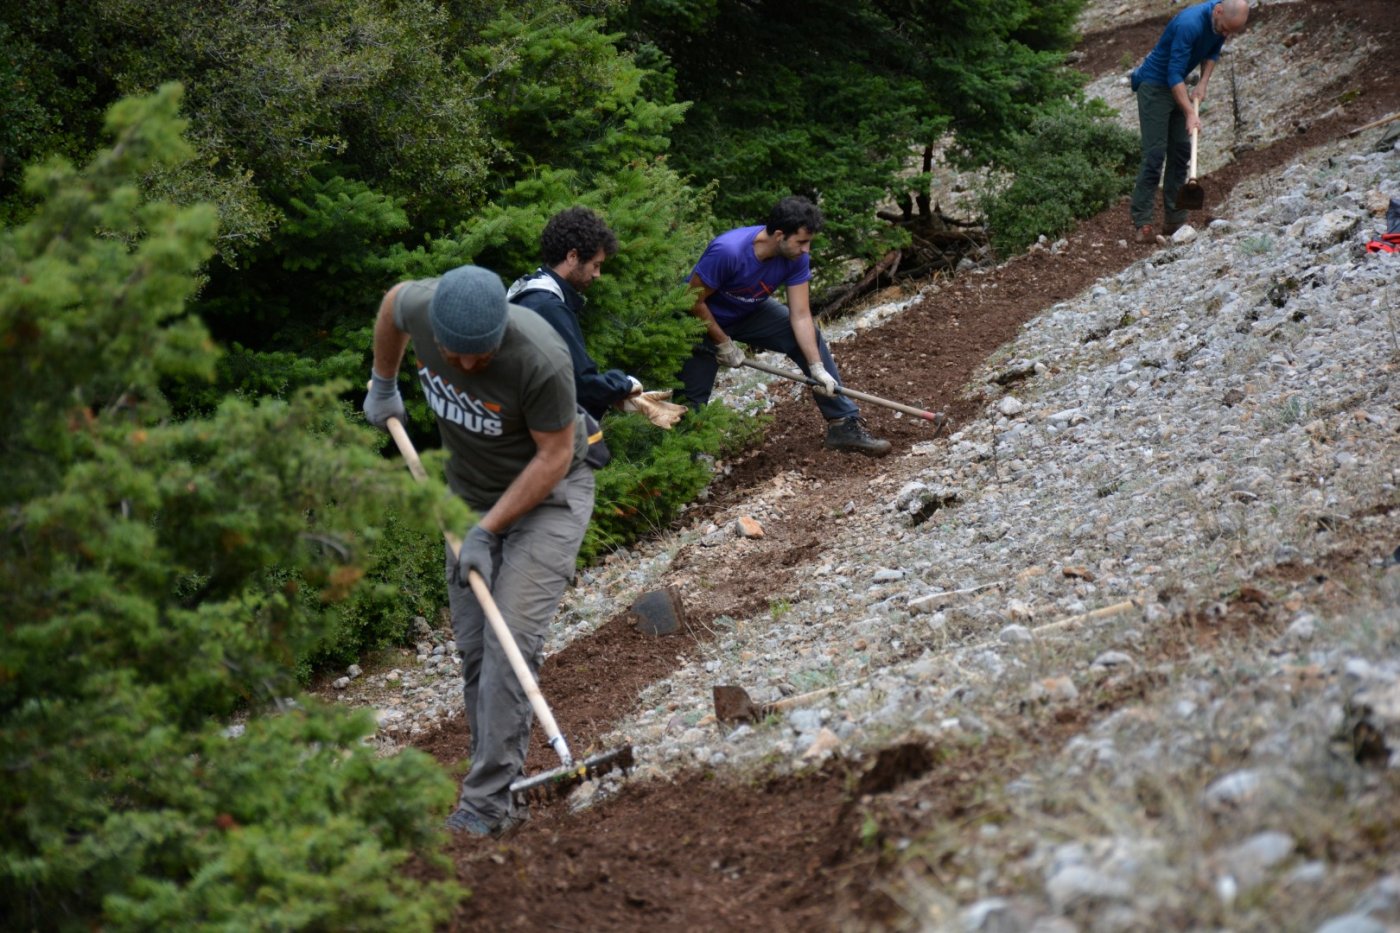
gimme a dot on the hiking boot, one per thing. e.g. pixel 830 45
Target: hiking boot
pixel 850 434
pixel 463 820
pixel 1169 229
pixel 1146 234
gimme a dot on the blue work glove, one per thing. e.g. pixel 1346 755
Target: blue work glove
pixel 474 554
pixel 383 401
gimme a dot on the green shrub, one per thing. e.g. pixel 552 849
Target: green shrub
pixel 404 578
pixel 1068 165
pixel 654 473
pixel 139 610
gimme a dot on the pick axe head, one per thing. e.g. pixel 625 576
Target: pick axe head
pixel 1191 196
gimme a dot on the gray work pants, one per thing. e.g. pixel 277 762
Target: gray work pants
pixel 532 565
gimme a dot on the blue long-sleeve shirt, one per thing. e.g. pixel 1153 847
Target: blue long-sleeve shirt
pixel 1187 41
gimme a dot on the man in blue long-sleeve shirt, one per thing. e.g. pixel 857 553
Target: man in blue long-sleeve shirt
pixel 1167 114
pixel 574 245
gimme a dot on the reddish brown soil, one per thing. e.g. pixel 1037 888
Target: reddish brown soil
pixel 804 852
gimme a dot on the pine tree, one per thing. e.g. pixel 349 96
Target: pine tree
pixel 158 576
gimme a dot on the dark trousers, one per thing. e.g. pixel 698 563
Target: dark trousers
pixel 1164 143
pixel 768 328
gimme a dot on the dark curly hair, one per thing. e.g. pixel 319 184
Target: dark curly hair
pixel 792 214
pixel 575 228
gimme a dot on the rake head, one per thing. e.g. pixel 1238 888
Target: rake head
pixel 560 782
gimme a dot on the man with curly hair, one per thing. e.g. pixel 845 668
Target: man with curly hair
pixel 574 245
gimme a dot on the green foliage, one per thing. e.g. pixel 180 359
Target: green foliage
pixel 159 575
pixel 857 87
pixel 1070 163
pixel 654 473
pixel 276 89
pixel 404 579
pixel 557 92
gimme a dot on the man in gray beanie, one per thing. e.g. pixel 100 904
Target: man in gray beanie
pixel 500 382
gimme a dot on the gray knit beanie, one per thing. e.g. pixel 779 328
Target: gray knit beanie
pixel 468 310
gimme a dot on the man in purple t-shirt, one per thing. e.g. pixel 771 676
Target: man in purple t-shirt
pixel 1167 114
pixel 734 283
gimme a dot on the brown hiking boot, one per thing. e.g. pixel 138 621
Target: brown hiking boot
pixel 1169 229
pixel 1146 234
pixel 850 434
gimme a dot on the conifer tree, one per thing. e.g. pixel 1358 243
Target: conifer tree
pixel 159 576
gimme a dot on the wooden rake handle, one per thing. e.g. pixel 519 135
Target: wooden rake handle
pixel 493 614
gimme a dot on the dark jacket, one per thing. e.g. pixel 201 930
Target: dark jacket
pixel 559 303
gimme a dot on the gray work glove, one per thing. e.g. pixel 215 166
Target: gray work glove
pixel 474 554
pixel 826 383
pixel 383 401
pixel 729 354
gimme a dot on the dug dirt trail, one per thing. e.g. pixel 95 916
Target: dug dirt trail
pixel 705 851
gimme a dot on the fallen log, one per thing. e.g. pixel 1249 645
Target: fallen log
pixel 888 265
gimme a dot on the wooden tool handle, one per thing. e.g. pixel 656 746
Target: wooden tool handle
pixel 493 614
pixel 1191 173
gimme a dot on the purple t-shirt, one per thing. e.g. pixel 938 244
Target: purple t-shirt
pixel 740 281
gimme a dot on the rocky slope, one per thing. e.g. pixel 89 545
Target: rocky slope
pixel 1130 631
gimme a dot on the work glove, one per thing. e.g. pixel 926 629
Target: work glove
pixel 826 383
pixel 474 554
pixel 729 354
pixel 629 402
pixel 383 401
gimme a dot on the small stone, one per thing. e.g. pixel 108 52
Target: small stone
pixel 824 744
pixel 1075 884
pixel 888 576
pixel 1010 406
pixel 748 527
pixel 341 683
pixel 1303 628
pixel 1015 635
pixel 1110 660
pixel 1075 572
pixel 1233 789
pixel 1250 862
pixel 1352 923
pixel 1060 689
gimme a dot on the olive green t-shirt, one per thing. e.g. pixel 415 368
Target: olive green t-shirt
pixel 486 418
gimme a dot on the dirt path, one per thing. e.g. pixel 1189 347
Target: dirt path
pixel 703 852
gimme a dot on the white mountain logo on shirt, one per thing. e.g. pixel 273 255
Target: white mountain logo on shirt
pixel 459 408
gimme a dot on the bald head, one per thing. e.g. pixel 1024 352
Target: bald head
pixel 1229 17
